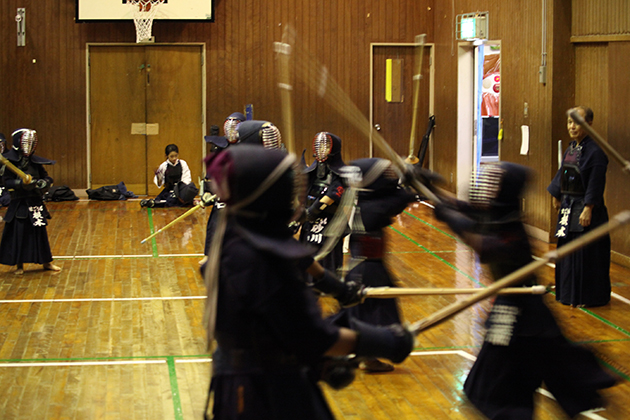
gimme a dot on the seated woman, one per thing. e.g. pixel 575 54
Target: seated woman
pixel 174 175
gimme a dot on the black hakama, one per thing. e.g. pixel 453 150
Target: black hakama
pixel 509 368
pixel 24 243
pixel 24 238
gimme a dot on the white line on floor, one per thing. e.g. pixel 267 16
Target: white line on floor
pixel 102 299
pixel 83 363
pixel 440 352
pixel 207 360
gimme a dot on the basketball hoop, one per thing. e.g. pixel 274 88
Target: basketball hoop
pixel 143 13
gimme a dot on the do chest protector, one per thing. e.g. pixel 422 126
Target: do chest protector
pixel 571 180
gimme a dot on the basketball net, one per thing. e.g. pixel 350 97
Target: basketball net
pixel 143 13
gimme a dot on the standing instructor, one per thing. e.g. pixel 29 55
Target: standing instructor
pixel 583 278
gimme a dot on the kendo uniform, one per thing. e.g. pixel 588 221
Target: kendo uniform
pixel 266 134
pixel 582 278
pixel 324 183
pixel 381 200
pixel 523 346
pixel 269 328
pixel 254 132
pixel 25 239
pixel 171 176
pixel 219 143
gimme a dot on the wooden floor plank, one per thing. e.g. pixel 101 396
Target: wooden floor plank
pixel 98 246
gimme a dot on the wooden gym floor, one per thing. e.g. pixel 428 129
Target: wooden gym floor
pixel 118 335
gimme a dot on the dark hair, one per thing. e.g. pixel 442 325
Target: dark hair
pixel 171 148
pixel 588 113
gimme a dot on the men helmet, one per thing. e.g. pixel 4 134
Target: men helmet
pixel 327 154
pixel 499 187
pixel 25 141
pixel 264 133
pixel 230 125
pixel 324 145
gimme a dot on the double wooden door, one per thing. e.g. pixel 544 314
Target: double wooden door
pixel 142 98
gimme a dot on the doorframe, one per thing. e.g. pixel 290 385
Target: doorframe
pixel 88 114
pixel 468 91
pixel 488 44
pixel 465 115
pixel 431 46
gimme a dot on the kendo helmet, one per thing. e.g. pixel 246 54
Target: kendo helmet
pixel 25 141
pixel 325 145
pixel 499 187
pixel 258 132
pixel 258 185
pixel 230 125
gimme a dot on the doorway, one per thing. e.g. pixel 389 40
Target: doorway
pixel 140 99
pixel 478 108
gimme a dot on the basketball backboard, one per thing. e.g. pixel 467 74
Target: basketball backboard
pixel 109 10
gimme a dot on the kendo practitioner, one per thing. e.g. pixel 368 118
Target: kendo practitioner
pixel 582 278
pixel 325 188
pixel 25 239
pixel 271 339
pixel 523 346
pixel 380 198
pixel 218 143
pixel 267 135
pixel 5 197
pixel 257 132
pixel 174 176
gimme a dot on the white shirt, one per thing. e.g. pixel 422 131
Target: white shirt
pixel 158 179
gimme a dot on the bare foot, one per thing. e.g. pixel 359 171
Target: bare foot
pixel 18 271
pixel 203 260
pixel 52 267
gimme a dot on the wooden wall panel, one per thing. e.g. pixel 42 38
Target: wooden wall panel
pixel 50 94
pixel 618 135
pixel 591 84
pixel 602 83
pixel 601 17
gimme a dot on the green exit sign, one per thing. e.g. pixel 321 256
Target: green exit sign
pixel 471 26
